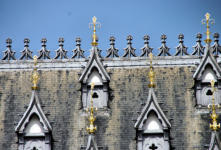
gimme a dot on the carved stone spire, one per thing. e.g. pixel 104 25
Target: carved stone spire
pixel 164 50
pixel 44 53
pixel 8 53
pixel 216 48
pixel 78 52
pixel 198 48
pixel 112 51
pixel 181 49
pixel 129 50
pixel 146 50
pixel 26 53
pixel 61 52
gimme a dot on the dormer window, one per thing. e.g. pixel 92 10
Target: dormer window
pixel 99 94
pixel 34 127
pixel 153 124
pixel 95 73
pixel 208 75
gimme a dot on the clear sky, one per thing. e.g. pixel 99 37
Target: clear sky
pixel 35 19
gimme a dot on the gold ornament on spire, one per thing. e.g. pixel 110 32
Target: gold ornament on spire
pixel 35 76
pixel 214 126
pixel 208 21
pixel 93 26
pixel 151 73
pixel 92 128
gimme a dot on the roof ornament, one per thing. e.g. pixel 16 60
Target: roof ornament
pixel 214 126
pixel 151 73
pixel 44 53
pixel 181 49
pixel 92 128
pixel 78 52
pixel 129 50
pixel 164 50
pixel 26 53
pixel 61 52
pixel 216 47
pixel 146 50
pixel 93 26
pixel 208 21
pixel 198 48
pixel 35 75
pixel 112 51
pixel 9 53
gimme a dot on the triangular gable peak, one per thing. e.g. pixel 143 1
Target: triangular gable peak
pixel 34 108
pixel 207 60
pixel 91 143
pixel 152 105
pixel 214 142
pixel 94 62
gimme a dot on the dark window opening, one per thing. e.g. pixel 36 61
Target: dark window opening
pixel 209 92
pixel 35 148
pixel 95 95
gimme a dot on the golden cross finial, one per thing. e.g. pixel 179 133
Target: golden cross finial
pixel 207 21
pixel 35 76
pixel 92 128
pixel 214 126
pixel 93 25
pixel 151 73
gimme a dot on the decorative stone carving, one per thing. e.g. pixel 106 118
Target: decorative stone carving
pixel 61 52
pixel 216 48
pixel 198 48
pixel 164 50
pixel 181 49
pixel 129 50
pixel 112 51
pixel 146 50
pixel 26 53
pixel 9 53
pixel 44 53
pixel 78 52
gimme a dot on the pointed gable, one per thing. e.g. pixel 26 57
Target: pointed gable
pixel 94 62
pixel 34 108
pixel 91 144
pixel 152 105
pixel 214 141
pixel 208 59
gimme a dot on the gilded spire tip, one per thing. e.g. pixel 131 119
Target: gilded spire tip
pixel 35 75
pixel 208 20
pixel 214 126
pixel 93 26
pixel 151 73
pixel 92 128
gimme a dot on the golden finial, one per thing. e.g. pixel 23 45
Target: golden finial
pixel 206 21
pixel 151 73
pixel 93 25
pixel 92 128
pixel 214 126
pixel 35 76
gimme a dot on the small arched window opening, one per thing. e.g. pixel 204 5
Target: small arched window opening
pixel 152 123
pixel 209 92
pixel 95 95
pixel 34 127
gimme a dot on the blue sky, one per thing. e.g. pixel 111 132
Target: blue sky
pixel 35 19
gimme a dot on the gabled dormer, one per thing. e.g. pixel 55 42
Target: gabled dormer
pixel 152 126
pixel 96 73
pixel 214 141
pixel 207 70
pixel 34 129
pixel 91 143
